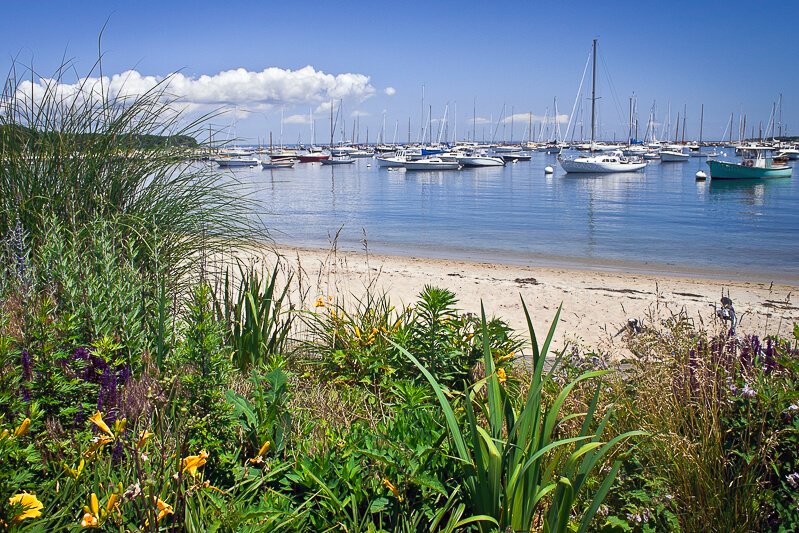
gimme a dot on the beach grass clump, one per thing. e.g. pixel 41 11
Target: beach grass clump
pixel 723 446
pixel 74 148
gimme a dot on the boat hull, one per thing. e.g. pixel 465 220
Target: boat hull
pixel 722 170
pixel 423 165
pixel 337 161
pixel 313 158
pixel 590 167
pixel 673 157
pixel 481 161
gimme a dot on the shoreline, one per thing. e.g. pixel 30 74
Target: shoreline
pixel 596 303
pixel 591 264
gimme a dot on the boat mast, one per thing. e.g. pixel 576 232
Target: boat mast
pixel 684 112
pixel 593 97
pixel 701 122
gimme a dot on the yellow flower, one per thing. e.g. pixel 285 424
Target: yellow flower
pixel 4 434
pixel 390 486
pixel 23 428
pixel 506 357
pixel 143 436
pixel 31 506
pixel 163 509
pixel 97 420
pixel 119 425
pixel 97 444
pixel 191 463
pixel 89 520
pixel 258 459
pixel 75 472
pixel 112 502
pixel 501 375
pixel 94 504
pixel 320 302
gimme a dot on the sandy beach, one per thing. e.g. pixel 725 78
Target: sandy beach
pixel 596 304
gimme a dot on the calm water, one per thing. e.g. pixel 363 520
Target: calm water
pixel 661 219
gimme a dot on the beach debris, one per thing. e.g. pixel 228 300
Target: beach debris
pixel 633 327
pixel 726 312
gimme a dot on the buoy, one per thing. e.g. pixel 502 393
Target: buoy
pixel 701 176
pixel 548 170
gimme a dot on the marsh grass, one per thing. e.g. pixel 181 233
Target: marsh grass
pixel 81 152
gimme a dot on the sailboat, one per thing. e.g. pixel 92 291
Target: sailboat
pixel 603 163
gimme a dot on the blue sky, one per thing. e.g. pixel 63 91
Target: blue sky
pixel 728 56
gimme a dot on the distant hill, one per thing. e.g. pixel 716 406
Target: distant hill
pixel 16 134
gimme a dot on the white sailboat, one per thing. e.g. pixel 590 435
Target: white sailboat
pixel 603 163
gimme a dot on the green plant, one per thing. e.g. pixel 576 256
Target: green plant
pixel 87 156
pixel 514 463
pixel 257 324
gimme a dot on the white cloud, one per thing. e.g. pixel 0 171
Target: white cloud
pixel 526 117
pixel 359 114
pixel 231 88
pixel 390 91
pixel 297 119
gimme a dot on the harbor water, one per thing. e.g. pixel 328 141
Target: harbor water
pixel 656 220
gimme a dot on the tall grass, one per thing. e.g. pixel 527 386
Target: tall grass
pixel 72 148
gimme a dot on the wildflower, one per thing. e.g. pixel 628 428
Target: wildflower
pixel 163 509
pixel 320 302
pixel 143 436
pixel 191 463
pixel 75 472
pixel 748 392
pixel 258 459
pixel 97 444
pixel 501 375
pixel 31 506
pixel 505 357
pixel 89 520
pixel 22 428
pixel 119 425
pixel 390 486
pixel 97 420
pixel 4 434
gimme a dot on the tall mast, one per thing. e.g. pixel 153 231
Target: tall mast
pixel 684 112
pixel 701 122
pixel 593 97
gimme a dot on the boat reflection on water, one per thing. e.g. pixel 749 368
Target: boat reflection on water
pixel 748 192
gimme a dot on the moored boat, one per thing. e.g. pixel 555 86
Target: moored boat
pixel 674 155
pixel 338 160
pixel 280 163
pixel 755 165
pixel 431 163
pixel 229 162
pixel 476 160
pixel 603 163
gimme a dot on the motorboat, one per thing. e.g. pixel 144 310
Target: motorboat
pixel 392 161
pixel 314 157
pixel 755 164
pixel 673 155
pixel 431 163
pixel 512 157
pixel 230 162
pixel 478 160
pixel 603 163
pixel 338 160
pixel 278 163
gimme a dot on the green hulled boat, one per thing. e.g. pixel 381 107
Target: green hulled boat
pixel 754 165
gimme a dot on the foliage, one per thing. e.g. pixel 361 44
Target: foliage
pixel 256 323
pixel 507 467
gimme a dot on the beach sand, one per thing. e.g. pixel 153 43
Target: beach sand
pixel 596 304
